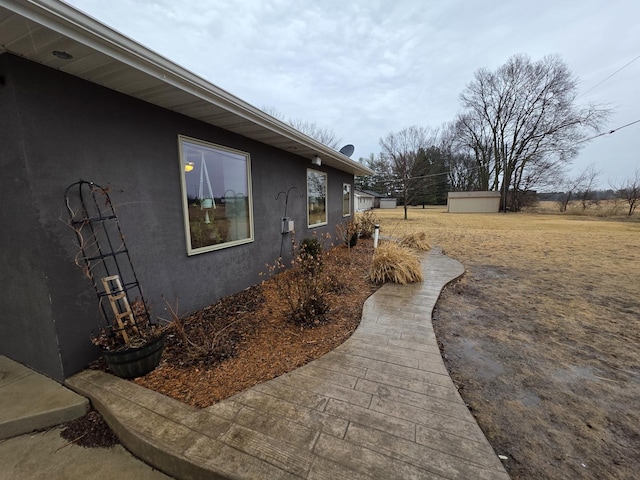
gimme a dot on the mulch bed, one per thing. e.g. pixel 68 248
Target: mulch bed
pixel 249 339
pixel 90 431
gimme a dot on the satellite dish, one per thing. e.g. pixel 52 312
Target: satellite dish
pixel 347 150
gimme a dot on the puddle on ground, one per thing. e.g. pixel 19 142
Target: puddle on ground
pixel 486 367
pixel 574 374
pixel 528 399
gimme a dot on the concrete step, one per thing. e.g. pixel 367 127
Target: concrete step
pixel 177 439
pixel 30 401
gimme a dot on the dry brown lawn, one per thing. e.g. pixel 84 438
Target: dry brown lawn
pixel 542 335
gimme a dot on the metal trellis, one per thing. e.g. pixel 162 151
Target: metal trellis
pixel 105 260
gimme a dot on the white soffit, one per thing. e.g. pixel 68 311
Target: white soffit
pixel 33 29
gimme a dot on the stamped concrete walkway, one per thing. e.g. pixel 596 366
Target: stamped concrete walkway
pixel 380 406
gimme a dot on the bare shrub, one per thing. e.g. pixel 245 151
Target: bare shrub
pixel 614 206
pixel 309 255
pixel 347 233
pixel 366 223
pixel 304 286
pixel 395 263
pixel 305 294
pixel 417 240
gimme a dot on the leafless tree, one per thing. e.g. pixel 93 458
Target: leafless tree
pixel 462 173
pixel 629 190
pixel 473 135
pixel 582 183
pixel 402 150
pixel 461 165
pixel 587 194
pixel 522 121
pixel 274 112
pixel 323 135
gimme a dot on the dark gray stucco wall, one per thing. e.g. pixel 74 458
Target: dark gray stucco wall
pixel 60 129
pixel 27 332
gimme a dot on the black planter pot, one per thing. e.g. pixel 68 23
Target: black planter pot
pixel 353 241
pixel 135 362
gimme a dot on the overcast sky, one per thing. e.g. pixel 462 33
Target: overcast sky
pixel 368 68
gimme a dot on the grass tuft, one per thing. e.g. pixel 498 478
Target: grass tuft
pixel 417 240
pixel 395 263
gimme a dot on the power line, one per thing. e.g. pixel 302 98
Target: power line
pixel 400 180
pixel 476 168
pixel 609 132
pixel 614 73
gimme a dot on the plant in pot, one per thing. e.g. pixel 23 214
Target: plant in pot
pixel 130 341
pixel 131 344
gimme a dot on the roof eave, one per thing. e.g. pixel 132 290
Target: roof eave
pixel 73 24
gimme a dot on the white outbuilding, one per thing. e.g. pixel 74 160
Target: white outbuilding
pixel 363 201
pixel 388 202
pixel 473 202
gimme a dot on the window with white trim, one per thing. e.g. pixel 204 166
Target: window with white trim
pixel 346 199
pixel 316 198
pixel 216 195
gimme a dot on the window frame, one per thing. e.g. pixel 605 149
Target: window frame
pixel 194 142
pixel 347 187
pixel 311 171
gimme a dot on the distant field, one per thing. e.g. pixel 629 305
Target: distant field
pixel 543 334
pixel 570 255
pixel 604 208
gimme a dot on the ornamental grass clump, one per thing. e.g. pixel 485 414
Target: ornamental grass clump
pixel 395 263
pixel 417 240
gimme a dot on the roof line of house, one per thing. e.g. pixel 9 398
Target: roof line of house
pixel 66 20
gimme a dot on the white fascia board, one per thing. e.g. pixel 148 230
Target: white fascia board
pixel 66 20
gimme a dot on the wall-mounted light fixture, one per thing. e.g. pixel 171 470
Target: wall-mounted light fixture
pixel 188 166
pixel 316 161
